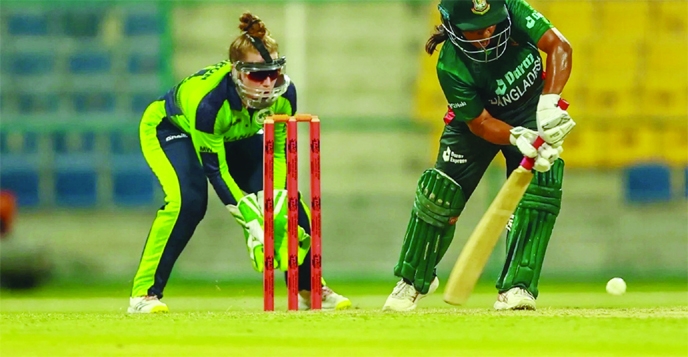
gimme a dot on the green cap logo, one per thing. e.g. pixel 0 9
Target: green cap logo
pixel 480 7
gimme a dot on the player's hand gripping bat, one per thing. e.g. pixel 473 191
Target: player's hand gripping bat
pixel 471 262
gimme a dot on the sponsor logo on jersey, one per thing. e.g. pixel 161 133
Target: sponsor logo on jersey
pixel 210 70
pixel 233 122
pixel 518 80
pixel 530 19
pixel 480 7
pixel 501 87
pixel 205 149
pixel 229 139
pixel 174 137
pixel 457 105
pixel 450 156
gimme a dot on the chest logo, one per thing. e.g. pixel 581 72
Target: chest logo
pixel 259 116
pixel 515 83
pixel 501 87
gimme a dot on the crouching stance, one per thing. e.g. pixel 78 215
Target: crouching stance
pixel 208 128
pixel 492 75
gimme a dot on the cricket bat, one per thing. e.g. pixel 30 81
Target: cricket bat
pixel 471 262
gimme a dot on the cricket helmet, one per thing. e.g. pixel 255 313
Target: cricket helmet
pixel 471 15
pixel 256 97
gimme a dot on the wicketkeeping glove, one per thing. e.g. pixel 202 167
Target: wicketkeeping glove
pixel 553 123
pixel 545 155
pixel 249 214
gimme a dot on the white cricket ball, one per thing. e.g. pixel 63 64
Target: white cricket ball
pixel 616 286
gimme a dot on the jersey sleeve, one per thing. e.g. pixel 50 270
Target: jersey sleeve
pixel 463 98
pixel 287 106
pixel 209 142
pixel 528 20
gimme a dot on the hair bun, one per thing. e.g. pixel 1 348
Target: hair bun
pixel 252 25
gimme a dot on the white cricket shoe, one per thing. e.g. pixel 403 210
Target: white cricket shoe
pixel 515 299
pixel 405 297
pixel 146 305
pixel 330 300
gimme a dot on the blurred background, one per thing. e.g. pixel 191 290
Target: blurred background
pixel 79 198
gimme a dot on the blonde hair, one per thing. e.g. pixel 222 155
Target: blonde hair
pixel 253 26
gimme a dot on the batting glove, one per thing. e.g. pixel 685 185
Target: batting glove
pixel 545 155
pixel 553 122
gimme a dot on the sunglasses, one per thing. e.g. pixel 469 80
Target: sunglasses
pixel 260 76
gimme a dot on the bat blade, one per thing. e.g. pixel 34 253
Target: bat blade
pixel 473 258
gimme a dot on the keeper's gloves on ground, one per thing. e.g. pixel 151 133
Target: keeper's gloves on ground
pixel 249 214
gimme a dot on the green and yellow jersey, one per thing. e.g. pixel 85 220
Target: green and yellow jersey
pixel 509 87
pixel 207 107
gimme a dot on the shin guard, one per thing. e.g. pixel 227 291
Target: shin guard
pixel 530 230
pixel 438 203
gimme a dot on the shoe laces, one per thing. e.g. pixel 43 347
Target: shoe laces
pixel 326 291
pixel 523 292
pixel 404 291
pixel 145 300
pixel 503 297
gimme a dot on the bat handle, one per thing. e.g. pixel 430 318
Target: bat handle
pixel 528 162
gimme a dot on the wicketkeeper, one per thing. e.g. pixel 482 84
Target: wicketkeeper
pixel 491 73
pixel 209 128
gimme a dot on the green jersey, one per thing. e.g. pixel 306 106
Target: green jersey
pixel 207 107
pixel 509 87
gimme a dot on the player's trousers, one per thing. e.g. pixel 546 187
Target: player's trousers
pixel 172 158
pixel 465 157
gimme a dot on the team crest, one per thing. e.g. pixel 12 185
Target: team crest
pixel 480 7
pixel 259 116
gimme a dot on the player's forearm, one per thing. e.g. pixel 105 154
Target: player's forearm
pixel 280 167
pixel 213 159
pixel 559 63
pixel 211 167
pixel 492 130
pixel 558 69
pixel 222 189
pixel 280 174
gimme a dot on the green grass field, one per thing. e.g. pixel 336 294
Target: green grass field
pixel 227 320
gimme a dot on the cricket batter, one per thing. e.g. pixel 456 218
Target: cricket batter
pixel 491 73
pixel 209 128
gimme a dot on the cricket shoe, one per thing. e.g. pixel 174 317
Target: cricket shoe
pixel 330 300
pixel 515 299
pixel 146 305
pixel 405 297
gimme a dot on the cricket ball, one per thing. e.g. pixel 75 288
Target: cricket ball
pixel 616 286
